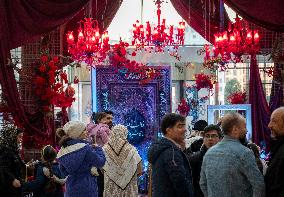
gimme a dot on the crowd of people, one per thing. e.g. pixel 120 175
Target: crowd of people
pixel 224 165
pixel 94 160
pixel 97 160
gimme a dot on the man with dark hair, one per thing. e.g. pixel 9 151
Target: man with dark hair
pixel 275 172
pixel 212 135
pixel 171 173
pixel 229 168
pixel 108 119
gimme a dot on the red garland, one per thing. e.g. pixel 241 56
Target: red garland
pixel 203 81
pixel 237 98
pixel 183 108
pixel 119 59
pixel 49 84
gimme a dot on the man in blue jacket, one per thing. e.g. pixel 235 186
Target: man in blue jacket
pixel 229 168
pixel 171 173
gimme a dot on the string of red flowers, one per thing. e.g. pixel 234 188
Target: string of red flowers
pixel 237 97
pixel 204 81
pixel 183 108
pixel 119 59
pixel 50 82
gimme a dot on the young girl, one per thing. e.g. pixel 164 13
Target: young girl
pixel 98 132
pixel 99 135
pixel 48 179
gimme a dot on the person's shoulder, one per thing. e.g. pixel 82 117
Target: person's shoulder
pixel 281 147
pixel 280 151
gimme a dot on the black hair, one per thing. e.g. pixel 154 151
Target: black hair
pixel 109 112
pixel 212 127
pixel 63 137
pixel 96 117
pixel 170 120
pixel 49 154
pixel 256 153
pixel 200 125
pixel 99 116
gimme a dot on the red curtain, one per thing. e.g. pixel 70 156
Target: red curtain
pixel 276 96
pixel 260 110
pixel 203 16
pixel 267 14
pixel 24 21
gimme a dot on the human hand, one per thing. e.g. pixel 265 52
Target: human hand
pixel 46 172
pixel 16 183
pixel 30 163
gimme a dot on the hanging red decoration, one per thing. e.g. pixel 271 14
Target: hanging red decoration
pixel 237 98
pixel 238 40
pixel 269 71
pixel 183 108
pixel 204 81
pixel 90 46
pixel 157 37
pixel 76 80
pixel 49 84
pixel 118 58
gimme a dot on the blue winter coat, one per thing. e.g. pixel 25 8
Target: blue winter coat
pixel 37 185
pixel 76 161
pixel 229 169
pixel 171 173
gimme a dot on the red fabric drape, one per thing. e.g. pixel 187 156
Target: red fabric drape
pixel 267 14
pixel 260 110
pixel 205 23
pixel 24 21
pixel 276 96
pixel 20 22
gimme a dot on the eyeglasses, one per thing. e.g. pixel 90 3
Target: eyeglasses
pixel 211 136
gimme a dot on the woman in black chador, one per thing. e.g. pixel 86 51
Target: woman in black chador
pixel 11 164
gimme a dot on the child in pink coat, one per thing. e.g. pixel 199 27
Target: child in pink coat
pixel 99 132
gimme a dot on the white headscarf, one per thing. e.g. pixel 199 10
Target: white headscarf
pixel 118 138
pixel 122 158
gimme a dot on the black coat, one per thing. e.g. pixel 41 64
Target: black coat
pixel 171 173
pixel 11 167
pixel 195 161
pixel 274 178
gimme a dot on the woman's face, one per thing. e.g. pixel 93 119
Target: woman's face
pixel 19 138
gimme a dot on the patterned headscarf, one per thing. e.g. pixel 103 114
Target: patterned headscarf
pixel 8 138
pixel 118 137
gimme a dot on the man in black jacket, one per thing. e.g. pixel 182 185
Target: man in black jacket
pixel 275 172
pixel 171 173
pixel 212 135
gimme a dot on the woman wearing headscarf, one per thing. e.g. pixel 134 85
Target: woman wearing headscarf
pixel 11 164
pixel 76 158
pixel 123 165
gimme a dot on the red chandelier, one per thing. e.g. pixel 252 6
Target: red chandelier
pixel 237 40
pixel 90 47
pixel 156 38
